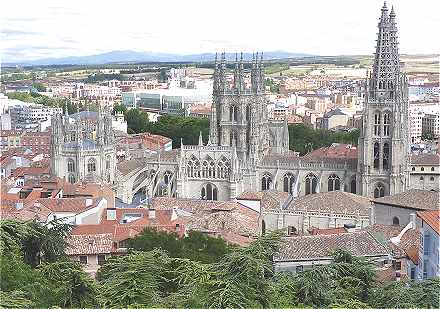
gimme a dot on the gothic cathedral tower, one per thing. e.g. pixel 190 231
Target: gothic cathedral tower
pixel 383 152
pixel 239 113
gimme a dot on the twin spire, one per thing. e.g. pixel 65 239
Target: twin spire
pixel 221 82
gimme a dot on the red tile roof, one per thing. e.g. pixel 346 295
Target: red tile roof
pixel 432 218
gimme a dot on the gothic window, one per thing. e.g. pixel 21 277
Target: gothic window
pixel 193 167
pixel 334 183
pixel 209 192
pixel 379 190
pixel 91 165
pixel 421 178
pixel 70 165
pixel 211 169
pixel 266 182
pixel 223 168
pixel 432 178
pixel 386 156
pixel 376 155
pixel 377 124
pixel 413 168
pixel 167 177
pixel 432 168
pixel 233 138
pixel 396 221
pixel 353 185
pixel 233 113
pixel 311 184
pixel 205 169
pixel 422 169
pixel 386 124
pixel 107 163
pixel 288 181
pixel 71 178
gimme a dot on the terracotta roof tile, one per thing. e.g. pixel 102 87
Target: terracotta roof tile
pixel 334 202
pixel 413 199
pixel 432 218
pixel 322 246
pixel 89 244
pixel 425 159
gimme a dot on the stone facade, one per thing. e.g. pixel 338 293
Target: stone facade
pixel 248 152
pixel 83 149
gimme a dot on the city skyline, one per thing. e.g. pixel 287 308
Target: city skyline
pixel 59 29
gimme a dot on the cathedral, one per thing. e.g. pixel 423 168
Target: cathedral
pixel 83 146
pixel 248 152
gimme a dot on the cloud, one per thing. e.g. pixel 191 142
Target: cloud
pixel 16 32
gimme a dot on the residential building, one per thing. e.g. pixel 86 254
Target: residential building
pixel 397 209
pixel 429 250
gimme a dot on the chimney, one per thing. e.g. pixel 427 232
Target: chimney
pixel 371 215
pixel 412 218
pixel 174 215
pixel 19 205
pixel 89 202
pixel 151 213
pixel 111 214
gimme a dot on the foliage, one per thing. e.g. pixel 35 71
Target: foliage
pixel 33 97
pixel 305 139
pixel 134 279
pixel 77 288
pixel 100 77
pixel 39 87
pixel 195 246
pixel 427 136
pixel 14 300
pixel 274 87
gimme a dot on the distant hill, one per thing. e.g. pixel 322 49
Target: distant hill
pixel 123 56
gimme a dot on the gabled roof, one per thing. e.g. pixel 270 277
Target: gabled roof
pixel 88 244
pixel 316 247
pixel 432 218
pixel 75 205
pixel 331 202
pixel 412 199
pixel 425 159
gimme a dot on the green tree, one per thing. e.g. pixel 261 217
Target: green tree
pixel 67 284
pixel 39 87
pixel 135 279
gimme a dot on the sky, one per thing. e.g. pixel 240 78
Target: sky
pixel 35 29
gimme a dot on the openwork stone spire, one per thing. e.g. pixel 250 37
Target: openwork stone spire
pixel 384 79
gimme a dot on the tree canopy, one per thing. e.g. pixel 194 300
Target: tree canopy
pixel 157 274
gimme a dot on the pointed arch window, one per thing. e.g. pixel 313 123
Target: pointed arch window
pixel 71 166
pixel 376 126
pixel 107 163
pixel 91 165
pixel 233 113
pixel 223 168
pixel 386 124
pixel 311 184
pixel 205 169
pixel 167 177
pixel 193 167
pixel 248 113
pixel 334 183
pixel 71 178
pixel 288 182
pixel 266 182
pixel 353 185
pixel 376 155
pixel 379 190
pixel 386 156
pixel 209 192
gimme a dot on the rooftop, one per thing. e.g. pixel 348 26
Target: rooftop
pixel 412 199
pixel 432 218
pixel 315 247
